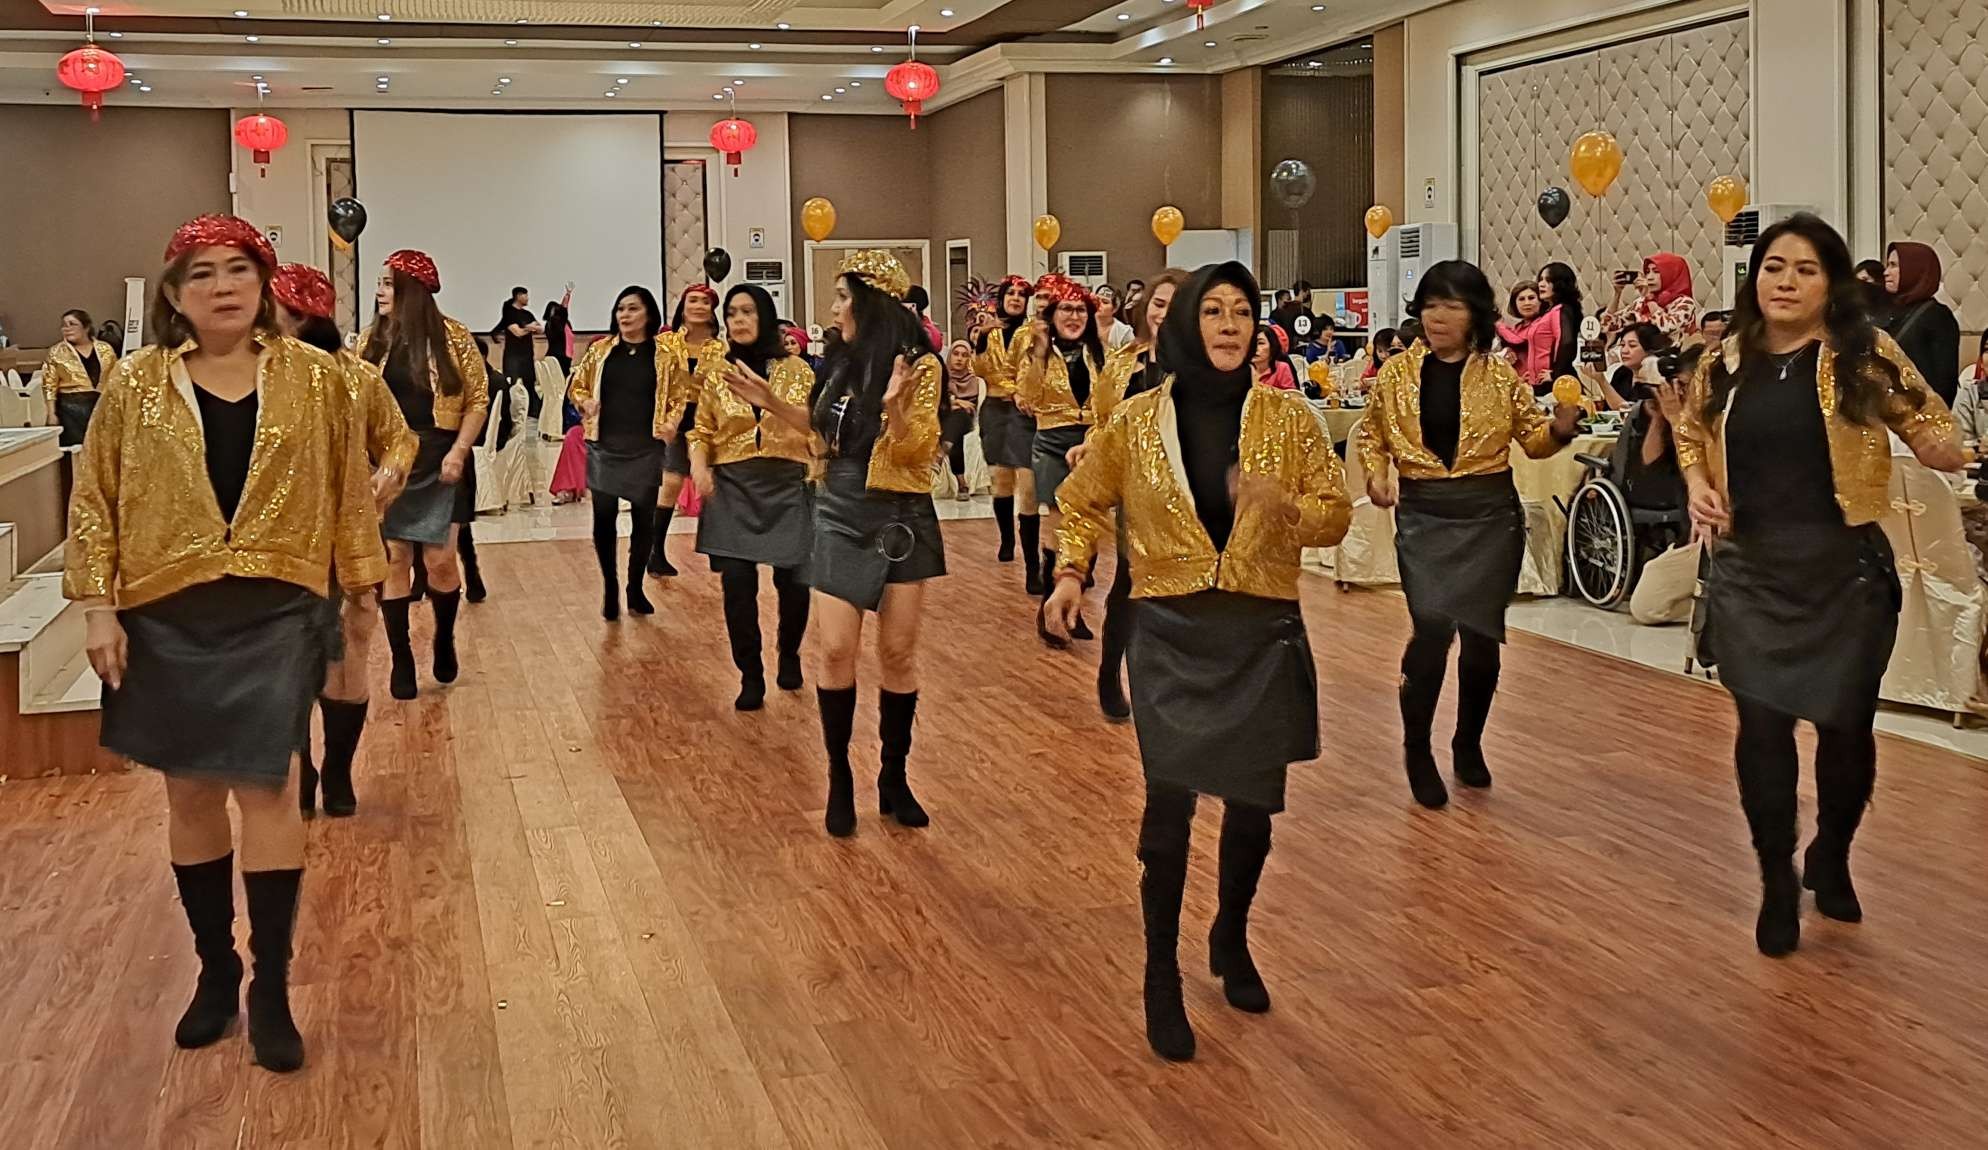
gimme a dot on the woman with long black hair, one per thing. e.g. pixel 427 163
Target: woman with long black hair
pixel 76 367
pixel 694 346
pixel 875 407
pixel 1560 295
pixel 306 303
pixel 1784 448
pixel 628 395
pixel 1444 414
pixel 1065 374
pixel 1007 434
pixel 1221 485
pixel 436 374
pixel 749 456
pixel 222 479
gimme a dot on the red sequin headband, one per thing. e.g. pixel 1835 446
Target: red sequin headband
pixel 418 267
pixel 304 290
pixel 219 231
pixel 1062 289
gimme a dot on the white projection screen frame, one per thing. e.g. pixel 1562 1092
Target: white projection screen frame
pixel 514 199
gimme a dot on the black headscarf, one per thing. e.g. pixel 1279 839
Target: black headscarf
pixel 760 353
pixel 1207 403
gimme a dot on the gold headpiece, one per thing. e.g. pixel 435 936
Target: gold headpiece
pixel 880 268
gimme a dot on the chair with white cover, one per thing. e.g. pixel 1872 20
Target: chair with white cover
pixel 552 385
pixel 500 476
pixel 1936 661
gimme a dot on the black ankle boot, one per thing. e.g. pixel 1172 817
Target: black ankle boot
pixel 789 676
pixel 659 557
pixel 1111 695
pixel 207 895
pixel 445 604
pixel 472 571
pixel 307 778
pixel 1042 589
pixel 793 598
pixel 610 601
pixel 1778 930
pixel 838 720
pixel 1475 688
pixel 1033 574
pixel 1080 629
pixel 1004 519
pixel 740 591
pixel 344 723
pixel 1167 1030
pixel 1418 715
pixel 272 909
pixel 1843 788
pixel 752 693
pixel 895 712
pixel 1241 868
pixel 1826 871
pixel 393 617
pixel 638 599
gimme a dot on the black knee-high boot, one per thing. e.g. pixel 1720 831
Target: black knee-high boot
pixel 344 723
pixel 1031 532
pixel 272 912
pixel 1117 636
pixel 1422 667
pixel 741 594
pixel 1163 839
pixel 838 720
pixel 393 619
pixel 794 602
pixel 1048 582
pixel 1767 765
pixel 307 779
pixel 659 556
pixel 445 604
pixel 1245 845
pixel 472 574
pixel 1477 664
pixel 607 509
pixel 641 544
pixel 1845 774
pixel 1079 629
pixel 1004 518
pixel 207 895
pixel 895 712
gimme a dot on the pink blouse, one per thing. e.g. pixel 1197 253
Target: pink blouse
pixel 1538 339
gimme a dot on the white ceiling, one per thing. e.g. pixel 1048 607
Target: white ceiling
pixel 453 53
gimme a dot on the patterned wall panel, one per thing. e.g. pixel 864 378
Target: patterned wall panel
pixel 338 184
pixel 684 235
pixel 1678 104
pixel 1935 117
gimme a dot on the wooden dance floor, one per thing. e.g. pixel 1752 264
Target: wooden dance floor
pixel 585 904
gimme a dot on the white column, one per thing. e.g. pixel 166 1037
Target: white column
pixel 1022 102
pixel 1801 106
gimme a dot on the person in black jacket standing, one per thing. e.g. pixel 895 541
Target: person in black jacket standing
pixel 1922 325
pixel 520 330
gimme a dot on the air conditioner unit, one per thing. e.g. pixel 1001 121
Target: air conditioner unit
pixel 1417 248
pixel 1087 268
pixel 771 275
pixel 1738 247
pixel 1383 304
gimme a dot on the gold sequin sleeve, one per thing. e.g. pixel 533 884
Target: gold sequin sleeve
pixel 1692 434
pixel 1531 427
pixel 1324 510
pixel 361 557
pixel 1086 499
pixel 1923 422
pixel 1371 442
pixel 475 376
pixel 89 567
pixel 1031 374
pixel 915 439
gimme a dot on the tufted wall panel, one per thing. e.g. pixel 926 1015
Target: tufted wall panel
pixel 355 307
pixel 1679 106
pixel 684 235
pixel 1935 116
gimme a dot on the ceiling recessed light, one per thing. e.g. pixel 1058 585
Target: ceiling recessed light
pixel 1125 15
pixel 1313 64
pixel 609 93
pixel 496 91
pixel 257 79
pixel 783 25
pixel 145 87
pixel 384 41
pixel 380 79
pixel 239 12
pixel 620 80
pixel 738 83
pixel 385 16
pixel 503 79
pixel 117 35
pixel 841 91
pixel 945 11
pixel 656 23
pixel 1208 44
pixel 510 43
pixel 1367 45
pixel 717 95
pixel 253 39
pixel 754 47
pixel 1166 59
pixel 826 96
pixel 876 48
pixel 635 43
pixel 522 20
pixel 855 83
pixel 1318 7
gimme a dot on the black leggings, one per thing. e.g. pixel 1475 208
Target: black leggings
pixel 1163 839
pixel 1423 666
pixel 957 454
pixel 642 520
pixel 740 583
pixel 1118 611
pixel 1846 768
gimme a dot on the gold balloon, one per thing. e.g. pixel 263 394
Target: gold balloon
pixel 818 218
pixel 1566 391
pixel 1168 223
pixel 1596 162
pixel 1726 195
pixel 1047 231
pixel 1379 220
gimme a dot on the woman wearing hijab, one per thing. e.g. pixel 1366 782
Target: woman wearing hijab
pixel 75 369
pixel 1922 325
pixel 1221 485
pixel 626 393
pixel 1665 300
pixel 222 480
pixel 1007 434
pixel 750 464
pixel 1784 446
pixel 1065 375
pixel 305 306
pixel 963 392
pixel 695 346
pixel 1444 414
pixel 432 367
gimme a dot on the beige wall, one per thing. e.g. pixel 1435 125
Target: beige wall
pixel 75 220
pixel 1390 90
pixel 969 196
pixel 875 199
pixel 1120 146
pixel 283 198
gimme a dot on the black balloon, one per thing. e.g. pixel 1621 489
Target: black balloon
pixel 347 217
pixel 1553 206
pixel 717 265
pixel 1292 182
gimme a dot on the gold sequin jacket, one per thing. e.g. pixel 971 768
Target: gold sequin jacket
pixel 389 441
pixel 143 520
pixel 1135 464
pixel 1000 362
pixel 1043 387
pixel 906 450
pixel 729 430
pixel 686 386
pixel 474 399
pixel 1859 453
pixel 64 372
pixel 1498 408
pixel 671 384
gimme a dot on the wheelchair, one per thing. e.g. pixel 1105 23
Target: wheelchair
pixel 1608 539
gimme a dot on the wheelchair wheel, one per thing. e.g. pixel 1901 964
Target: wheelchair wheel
pixel 1601 543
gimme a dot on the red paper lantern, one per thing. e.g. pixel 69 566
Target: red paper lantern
pixel 1200 10
pixel 913 83
pixel 734 137
pixel 92 71
pixel 261 134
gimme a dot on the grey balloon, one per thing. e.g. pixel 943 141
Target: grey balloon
pixel 1292 182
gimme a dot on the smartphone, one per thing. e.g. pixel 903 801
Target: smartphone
pixel 1626 277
